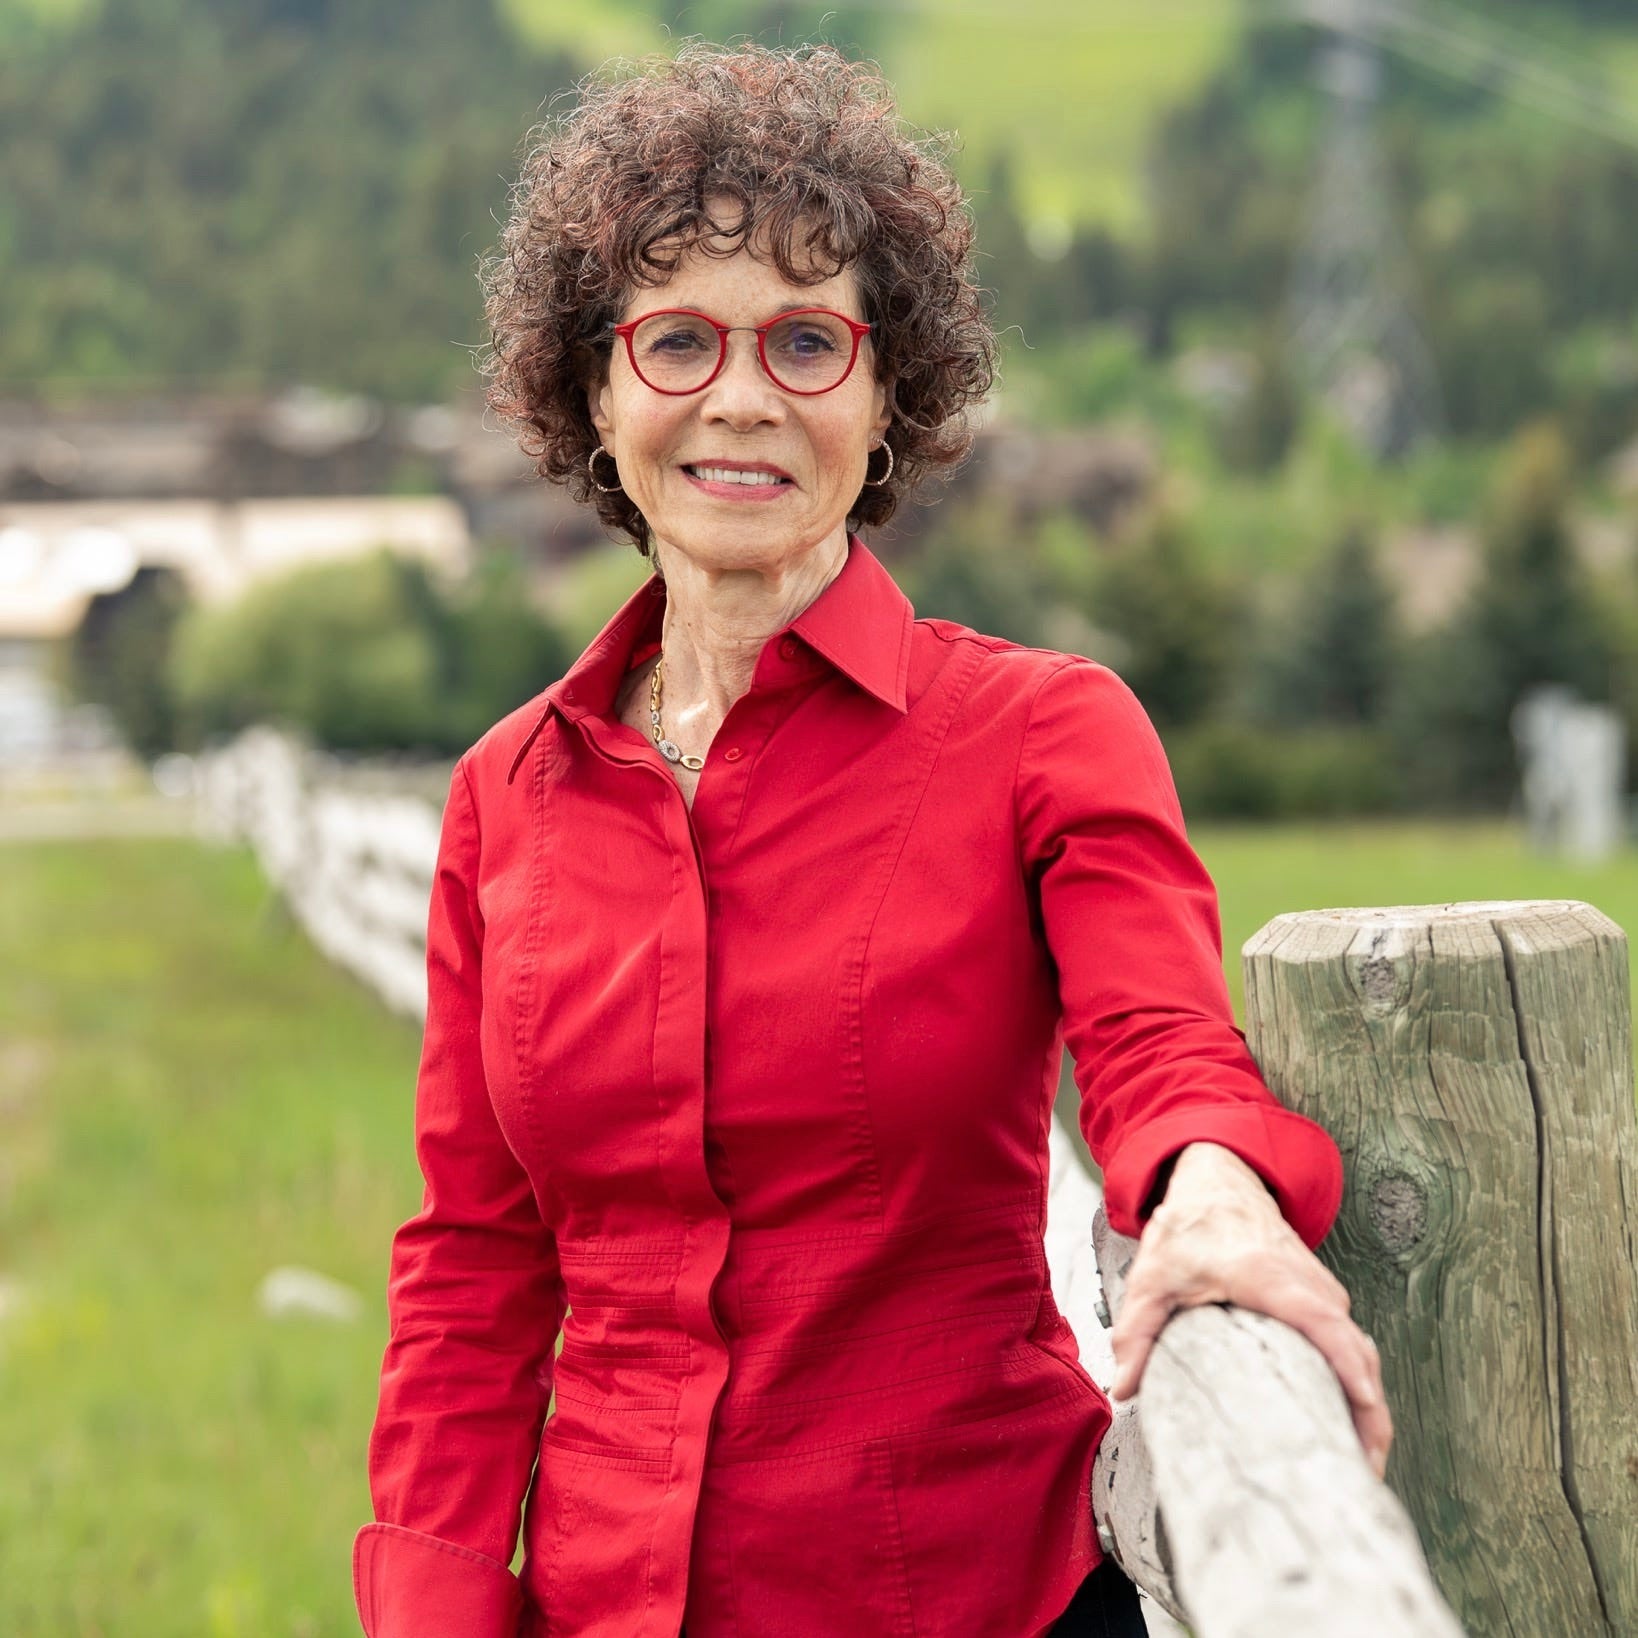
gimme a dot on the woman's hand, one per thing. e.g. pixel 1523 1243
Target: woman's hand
pixel 1218 1236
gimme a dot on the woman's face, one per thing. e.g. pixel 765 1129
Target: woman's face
pixel 817 446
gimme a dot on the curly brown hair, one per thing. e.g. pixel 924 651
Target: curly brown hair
pixel 808 147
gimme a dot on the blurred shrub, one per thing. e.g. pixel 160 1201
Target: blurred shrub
pixel 1446 483
pixel 1258 431
pixel 978 568
pixel 120 656
pixel 1098 372
pixel 1235 770
pixel 370 654
pixel 496 650
pixel 1596 375
pixel 1491 344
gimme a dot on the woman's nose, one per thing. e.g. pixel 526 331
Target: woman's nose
pixel 743 390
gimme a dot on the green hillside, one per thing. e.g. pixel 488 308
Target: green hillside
pixel 257 192
pixel 1069 88
pixel 1071 91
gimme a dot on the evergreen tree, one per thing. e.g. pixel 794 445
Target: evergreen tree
pixel 1330 658
pixel 1177 624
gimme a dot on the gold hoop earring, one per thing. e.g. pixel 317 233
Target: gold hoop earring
pixel 591 467
pixel 876 483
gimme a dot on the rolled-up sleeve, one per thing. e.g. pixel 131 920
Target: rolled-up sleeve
pixel 475 1302
pixel 1130 917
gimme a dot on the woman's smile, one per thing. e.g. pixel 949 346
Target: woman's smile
pixel 739 480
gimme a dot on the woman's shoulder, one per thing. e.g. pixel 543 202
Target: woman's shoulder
pixel 494 758
pixel 1014 674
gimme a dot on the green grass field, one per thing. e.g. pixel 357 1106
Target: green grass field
pixel 189 1096
pixel 1263 871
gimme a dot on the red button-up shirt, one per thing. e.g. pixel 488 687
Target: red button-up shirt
pixel 758 1097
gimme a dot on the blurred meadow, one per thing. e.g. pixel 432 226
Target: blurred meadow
pixel 1317 420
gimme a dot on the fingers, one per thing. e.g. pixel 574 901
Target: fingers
pixel 1372 1420
pixel 1143 1314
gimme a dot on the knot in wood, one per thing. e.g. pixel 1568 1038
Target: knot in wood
pixel 1379 985
pixel 1398 1210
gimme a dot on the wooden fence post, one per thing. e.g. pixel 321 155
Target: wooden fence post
pixel 1473 1061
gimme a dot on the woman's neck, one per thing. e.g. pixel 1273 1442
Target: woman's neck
pixel 716 623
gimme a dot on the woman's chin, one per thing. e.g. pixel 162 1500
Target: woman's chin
pixel 762 541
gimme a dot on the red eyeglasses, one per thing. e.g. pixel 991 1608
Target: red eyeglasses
pixel 679 351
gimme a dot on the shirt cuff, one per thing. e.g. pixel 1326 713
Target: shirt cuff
pixel 410 1585
pixel 1294 1157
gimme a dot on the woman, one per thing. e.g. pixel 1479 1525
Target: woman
pixel 753 947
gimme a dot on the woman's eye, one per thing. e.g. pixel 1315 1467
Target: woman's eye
pixel 809 343
pixel 674 341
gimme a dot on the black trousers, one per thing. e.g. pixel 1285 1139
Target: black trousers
pixel 1104 1606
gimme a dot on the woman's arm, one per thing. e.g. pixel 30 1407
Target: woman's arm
pixel 475 1304
pixel 1172 1102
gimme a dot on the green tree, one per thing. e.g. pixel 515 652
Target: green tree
pixel 497 649
pixel 1255 435
pixel 119 657
pixel 1330 656
pixel 1178 624
pixel 337 650
pixel 979 569
pixel 313 208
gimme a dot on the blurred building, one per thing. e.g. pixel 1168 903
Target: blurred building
pixel 55 556
pixel 225 491
pixel 248 447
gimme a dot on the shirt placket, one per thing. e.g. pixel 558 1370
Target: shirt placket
pixel 700 847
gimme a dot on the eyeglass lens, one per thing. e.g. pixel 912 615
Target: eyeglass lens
pixel 807 352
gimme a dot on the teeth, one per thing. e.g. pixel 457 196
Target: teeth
pixel 724 474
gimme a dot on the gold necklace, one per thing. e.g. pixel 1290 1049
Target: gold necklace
pixel 668 748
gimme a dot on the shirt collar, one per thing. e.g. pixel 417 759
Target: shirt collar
pixel 861 623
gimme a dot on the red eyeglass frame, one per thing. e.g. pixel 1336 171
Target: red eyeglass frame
pixel 625 331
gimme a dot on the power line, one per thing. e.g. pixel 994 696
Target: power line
pixel 1507 62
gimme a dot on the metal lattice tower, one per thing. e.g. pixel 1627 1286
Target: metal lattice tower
pixel 1353 333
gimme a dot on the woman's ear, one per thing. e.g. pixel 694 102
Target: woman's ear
pixel 883 403
pixel 599 405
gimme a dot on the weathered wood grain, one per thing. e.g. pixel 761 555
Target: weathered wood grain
pixel 1473 1063
pixel 1125 1492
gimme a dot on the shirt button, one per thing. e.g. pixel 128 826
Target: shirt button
pixel 787 649
pixel 732 754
